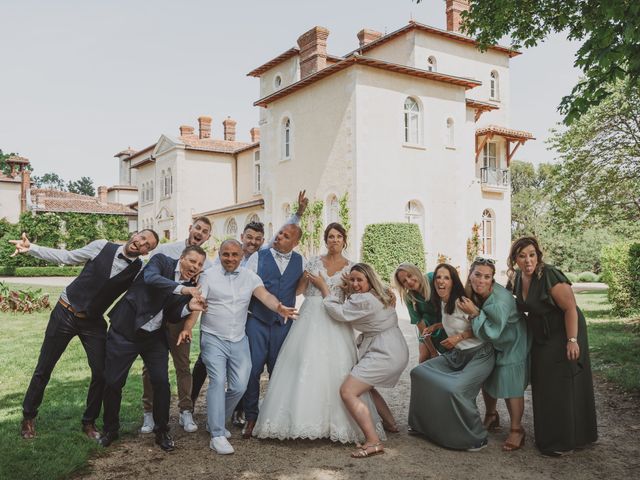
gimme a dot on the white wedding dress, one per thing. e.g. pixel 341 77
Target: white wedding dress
pixel 303 395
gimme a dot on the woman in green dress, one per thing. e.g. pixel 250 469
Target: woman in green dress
pixel 564 413
pixel 495 319
pixel 415 291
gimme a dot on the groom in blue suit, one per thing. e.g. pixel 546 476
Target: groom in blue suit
pixel 280 268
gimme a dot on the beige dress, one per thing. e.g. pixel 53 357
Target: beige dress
pixel 382 349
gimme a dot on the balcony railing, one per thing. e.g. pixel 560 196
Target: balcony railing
pixel 494 177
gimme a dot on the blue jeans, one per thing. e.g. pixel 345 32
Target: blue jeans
pixel 226 362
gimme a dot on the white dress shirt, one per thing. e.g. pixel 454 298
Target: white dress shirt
pixel 282 261
pixel 79 257
pixel 228 296
pixel 175 249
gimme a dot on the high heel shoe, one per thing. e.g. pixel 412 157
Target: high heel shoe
pixel 510 447
pixel 491 421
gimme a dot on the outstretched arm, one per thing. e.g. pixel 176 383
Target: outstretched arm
pixel 294 219
pixel 55 255
pixel 273 304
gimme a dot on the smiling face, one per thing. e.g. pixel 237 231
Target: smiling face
pixel 287 239
pixel 191 264
pixel 408 281
pixel 199 233
pixel 140 243
pixel 230 256
pixel 481 278
pixel 443 283
pixel 359 282
pixel 251 241
pixel 527 260
pixel 334 241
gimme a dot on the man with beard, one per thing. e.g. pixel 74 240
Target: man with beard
pixel 109 270
pixel 164 292
pixel 199 233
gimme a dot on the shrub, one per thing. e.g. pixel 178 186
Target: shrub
pixel 22 301
pixel 587 277
pixel 52 271
pixel 621 272
pixel 386 245
pixel 573 278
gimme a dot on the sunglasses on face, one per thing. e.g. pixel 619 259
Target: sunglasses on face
pixel 484 261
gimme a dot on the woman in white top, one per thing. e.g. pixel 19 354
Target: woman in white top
pixel 382 349
pixel 444 389
pixel 303 399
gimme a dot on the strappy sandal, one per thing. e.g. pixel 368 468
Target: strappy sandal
pixel 494 424
pixel 363 451
pixel 510 447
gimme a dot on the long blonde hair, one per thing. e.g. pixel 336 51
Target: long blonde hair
pixel 424 288
pixel 378 288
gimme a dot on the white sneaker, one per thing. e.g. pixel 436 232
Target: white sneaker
pixel 186 421
pixel 221 445
pixel 147 423
pixel 227 433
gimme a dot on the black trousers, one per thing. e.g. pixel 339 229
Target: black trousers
pixel 121 353
pixel 62 327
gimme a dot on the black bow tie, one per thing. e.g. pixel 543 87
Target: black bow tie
pixel 125 258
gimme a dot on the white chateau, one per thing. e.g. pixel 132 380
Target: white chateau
pixel 413 125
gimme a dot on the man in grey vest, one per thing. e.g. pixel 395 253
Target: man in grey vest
pixel 109 270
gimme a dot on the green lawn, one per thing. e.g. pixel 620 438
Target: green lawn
pixel 59 447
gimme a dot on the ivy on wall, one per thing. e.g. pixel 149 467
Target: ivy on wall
pixel 344 213
pixel 473 243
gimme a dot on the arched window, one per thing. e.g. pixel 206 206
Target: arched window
pixel 277 82
pixel 253 218
pixel 411 121
pixel 286 211
pixel 231 228
pixel 432 64
pixel 286 139
pixel 494 86
pixel 333 209
pixel 450 133
pixel 414 213
pixel 488 232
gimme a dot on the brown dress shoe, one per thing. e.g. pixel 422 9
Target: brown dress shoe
pixel 247 431
pixel 91 431
pixel 28 428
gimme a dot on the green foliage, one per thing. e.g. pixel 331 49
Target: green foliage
pixel 621 272
pixel 22 300
pixel 83 186
pixel 344 213
pixel 67 271
pixel 4 166
pixel 587 277
pixel 573 278
pixel 609 32
pixel 386 245
pixel 312 225
pixel 49 180
pixel 473 243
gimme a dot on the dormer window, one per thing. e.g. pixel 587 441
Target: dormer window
pixel 432 64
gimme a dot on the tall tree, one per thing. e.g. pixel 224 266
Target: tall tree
pixel 49 180
pixel 609 31
pixel 599 176
pixel 83 186
pixel 4 166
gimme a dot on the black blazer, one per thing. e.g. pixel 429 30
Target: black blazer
pixel 151 292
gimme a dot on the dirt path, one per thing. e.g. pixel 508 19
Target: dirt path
pixel 616 455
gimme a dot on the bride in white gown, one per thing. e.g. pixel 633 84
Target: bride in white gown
pixel 303 396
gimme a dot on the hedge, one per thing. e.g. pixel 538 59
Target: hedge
pixel 621 272
pixel 386 245
pixel 40 271
pixel 573 278
pixel 587 277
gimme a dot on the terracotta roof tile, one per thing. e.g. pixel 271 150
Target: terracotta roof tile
pixel 49 200
pixel 210 144
pixel 231 208
pixel 505 132
pixel 256 72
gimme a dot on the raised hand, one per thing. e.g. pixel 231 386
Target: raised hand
pixel 195 292
pixel 198 304
pixel 467 306
pixel 303 201
pixel 22 245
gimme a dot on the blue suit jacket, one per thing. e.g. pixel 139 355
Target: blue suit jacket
pixel 151 292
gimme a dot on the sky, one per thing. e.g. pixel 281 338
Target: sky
pixel 82 80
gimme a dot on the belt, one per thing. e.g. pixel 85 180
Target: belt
pixel 67 306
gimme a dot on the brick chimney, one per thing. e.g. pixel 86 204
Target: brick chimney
pixel 25 187
pixel 366 35
pixel 313 51
pixel 102 194
pixel 454 9
pixel 186 130
pixel 229 125
pixel 255 134
pixel 204 123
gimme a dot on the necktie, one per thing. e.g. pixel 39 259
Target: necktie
pixel 126 259
pixel 282 256
pixel 228 274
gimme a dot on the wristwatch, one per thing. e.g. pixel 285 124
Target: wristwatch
pixel 572 340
